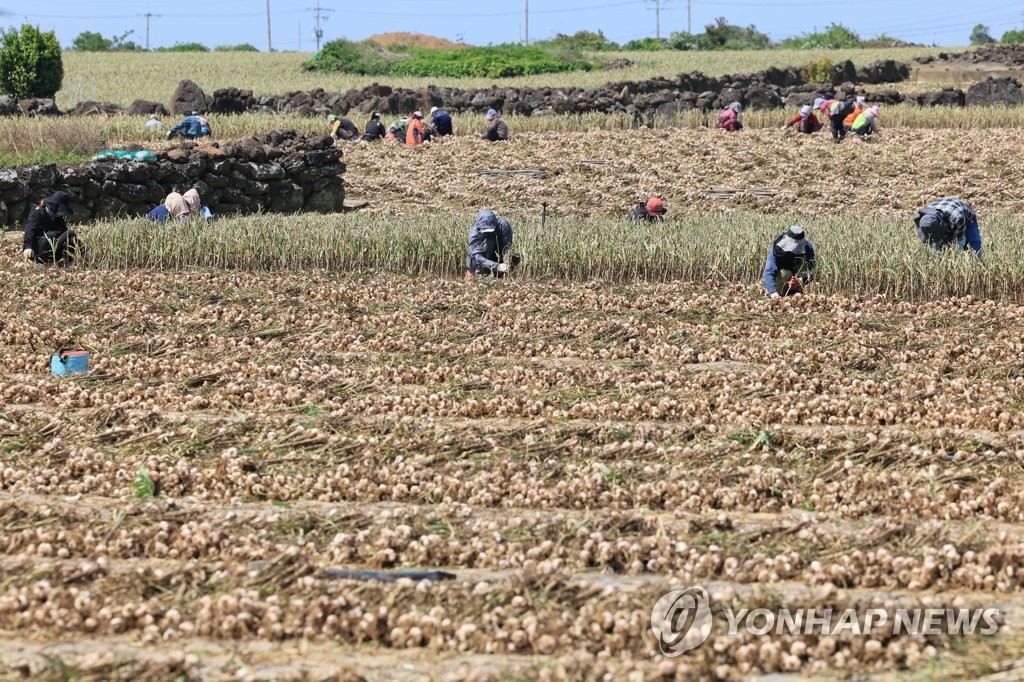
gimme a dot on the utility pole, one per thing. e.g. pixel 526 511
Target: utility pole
pixel 526 10
pixel 318 32
pixel 657 15
pixel 148 16
pixel 689 27
pixel 269 48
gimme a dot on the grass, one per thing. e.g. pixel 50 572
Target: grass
pixel 123 77
pixel 858 256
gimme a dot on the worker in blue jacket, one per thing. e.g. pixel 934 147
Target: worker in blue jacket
pixel 190 127
pixel 949 222
pixel 490 246
pixel 790 265
pixel 440 122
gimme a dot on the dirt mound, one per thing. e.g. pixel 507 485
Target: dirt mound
pixel 415 40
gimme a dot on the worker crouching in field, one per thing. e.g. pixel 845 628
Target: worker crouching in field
pixel 47 237
pixel 342 128
pixel 374 128
pixel 837 111
pixel 867 122
pixel 191 127
pixel 729 119
pixel 396 131
pixel 497 129
pixel 790 263
pixel 859 104
pixel 805 121
pixel 489 247
pixel 181 207
pixel 653 211
pixel 417 132
pixel 440 122
pixel 949 222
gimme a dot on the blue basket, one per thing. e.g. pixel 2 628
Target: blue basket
pixel 67 362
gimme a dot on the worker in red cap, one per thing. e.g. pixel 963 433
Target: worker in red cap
pixel 653 210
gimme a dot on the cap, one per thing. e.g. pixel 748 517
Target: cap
pixel 805 110
pixel 793 240
pixel 433 109
pixel 417 114
pixel 655 205
pixel 818 101
pixel 491 114
pixel 375 114
pixel 59 203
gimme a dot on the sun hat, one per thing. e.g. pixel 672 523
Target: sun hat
pixel 490 115
pixel 805 110
pixel 818 101
pixel 59 204
pixel 875 111
pixel 332 117
pixel 433 109
pixel 736 106
pixel 861 99
pixel 417 114
pixel 656 206
pixel 793 240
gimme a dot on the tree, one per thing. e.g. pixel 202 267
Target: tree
pixel 242 47
pixel 30 63
pixel 722 35
pixel 981 36
pixel 1012 37
pixel 88 41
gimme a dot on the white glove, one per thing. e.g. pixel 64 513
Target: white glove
pixel 27 254
pixel 502 267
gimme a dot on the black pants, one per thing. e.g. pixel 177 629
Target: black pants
pixel 61 249
pixel 837 119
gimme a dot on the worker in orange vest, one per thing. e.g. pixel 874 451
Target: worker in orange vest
pixel 416 133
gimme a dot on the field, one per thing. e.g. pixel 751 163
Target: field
pixel 275 401
pixel 122 78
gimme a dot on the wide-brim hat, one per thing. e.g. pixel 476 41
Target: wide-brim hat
pixel 793 241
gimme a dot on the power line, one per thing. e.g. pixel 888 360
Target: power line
pixel 658 4
pixel 318 32
pixel 149 15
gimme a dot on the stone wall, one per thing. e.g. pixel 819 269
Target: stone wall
pixel 281 172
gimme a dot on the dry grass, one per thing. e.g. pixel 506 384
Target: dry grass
pixel 123 77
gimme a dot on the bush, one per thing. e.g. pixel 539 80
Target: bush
pixel 244 47
pixel 835 37
pixel 722 35
pixel 579 41
pixel 1012 37
pixel 498 61
pixel 817 72
pixel 184 47
pixel 646 45
pixel 30 63
pixel 88 41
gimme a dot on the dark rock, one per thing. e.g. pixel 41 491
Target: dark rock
pixel 38 107
pixel 883 71
pixel 941 98
pixel 142 107
pixel 8 178
pixel 995 92
pixel 844 71
pixel 188 97
pixel 286 197
pixel 8 107
pixel 95 109
pixel 42 175
pixel 760 97
pixel 328 196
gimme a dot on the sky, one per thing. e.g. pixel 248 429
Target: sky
pixel 480 22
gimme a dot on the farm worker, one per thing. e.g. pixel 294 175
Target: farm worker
pixel 859 105
pixel 154 123
pixel 497 129
pixel 180 207
pixel 790 263
pixel 729 119
pixel 949 221
pixel 47 237
pixel 342 128
pixel 867 122
pixel 654 210
pixel 396 131
pixel 190 128
pixel 441 122
pixel 374 128
pixel 204 125
pixel 489 246
pixel 805 121
pixel 416 134
pixel 837 111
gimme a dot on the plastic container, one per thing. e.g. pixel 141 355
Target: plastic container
pixel 67 362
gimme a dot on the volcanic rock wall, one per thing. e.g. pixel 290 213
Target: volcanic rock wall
pixel 281 172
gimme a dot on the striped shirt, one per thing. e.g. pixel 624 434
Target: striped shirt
pixel 958 212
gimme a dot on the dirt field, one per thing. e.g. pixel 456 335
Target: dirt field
pixel 569 453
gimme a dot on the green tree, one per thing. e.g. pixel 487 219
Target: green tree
pixel 722 35
pixel 184 47
pixel 30 63
pixel 244 47
pixel 581 40
pixel 1012 37
pixel 834 37
pixel 89 41
pixel 648 44
pixel 980 35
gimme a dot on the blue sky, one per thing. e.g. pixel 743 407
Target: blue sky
pixel 942 22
